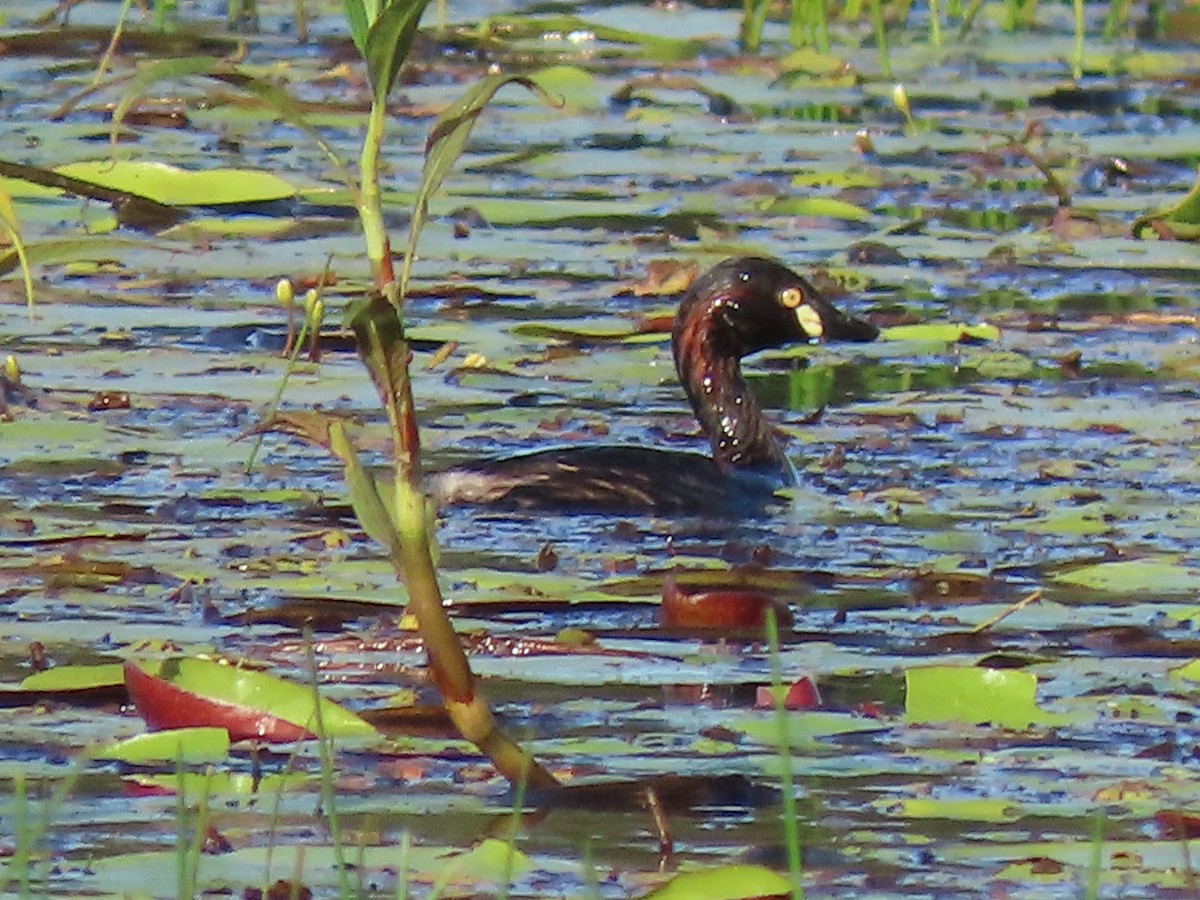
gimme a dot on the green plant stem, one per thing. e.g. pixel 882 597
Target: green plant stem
pixel 370 204
pixel 1080 27
pixel 791 828
pixel 935 23
pixel 1096 863
pixel 885 59
pixel 820 13
pixel 447 662
pixel 22 857
pixel 328 790
pixel 754 18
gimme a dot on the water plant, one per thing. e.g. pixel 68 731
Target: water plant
pixel 383 33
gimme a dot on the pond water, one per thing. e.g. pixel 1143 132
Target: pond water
pixel 944 480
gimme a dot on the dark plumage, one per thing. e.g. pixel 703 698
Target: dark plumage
pixel 738 307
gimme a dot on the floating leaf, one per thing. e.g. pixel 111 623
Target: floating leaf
pixel 599 333
pixel 1152 575
pixel 730 608
pixel 574 86
pixel 817 207
pixel 724 883
pixel 948 332
pixel 185 692
pixel 186 745
pixel 1003 364
pixel 972 810
pixel 653 45
pixel 75 678
pixel 173 186
pixel 490 860
pixel 809 61
pixel 1005 698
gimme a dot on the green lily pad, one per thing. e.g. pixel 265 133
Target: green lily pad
pixel 174 186
pixel 188 692
pixel 949 332
pixel 817 207
pixel 970 809
pixel 724 883
pixel 75 678
pixel 187 745
pixel 1152 575
pixel 1002 697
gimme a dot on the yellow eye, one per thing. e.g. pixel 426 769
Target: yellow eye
pixel 792 297
pixel 810 321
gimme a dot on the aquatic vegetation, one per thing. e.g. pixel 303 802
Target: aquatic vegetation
pixel 1028 423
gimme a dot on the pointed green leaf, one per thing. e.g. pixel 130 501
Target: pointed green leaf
pixel 356 18
pixel 218 69
pixel 389 42
pixel 160 70
pixel 368 505
pixel 1182 219
pixel 445 145
pixel 383 350
pixel 8 215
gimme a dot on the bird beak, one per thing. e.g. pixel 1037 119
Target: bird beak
pixel 837 326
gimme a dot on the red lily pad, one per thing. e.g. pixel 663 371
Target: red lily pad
pixel 187 693
pixel 800 695
pixel 719 608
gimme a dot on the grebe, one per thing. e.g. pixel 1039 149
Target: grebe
pixel 738 307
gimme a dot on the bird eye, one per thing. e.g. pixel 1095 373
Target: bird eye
pixel 792 297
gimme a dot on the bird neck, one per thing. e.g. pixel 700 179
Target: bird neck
pixel 728 412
